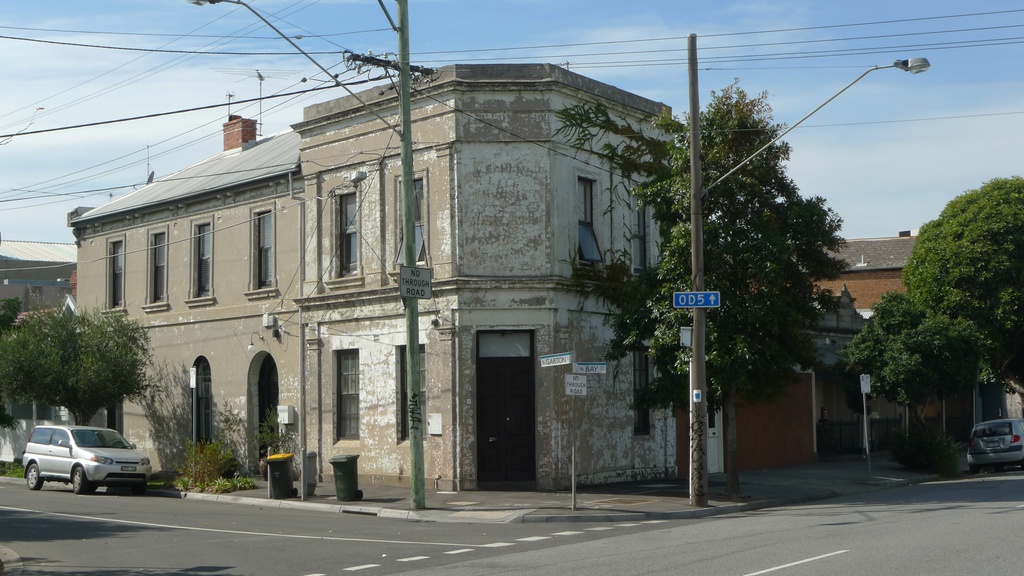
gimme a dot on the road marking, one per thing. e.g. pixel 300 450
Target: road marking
pixel 533 538
pixel 567 533
pixel 797 562
pixel 654 521
pixel 599 528
pixel 248 533
pixel 627 525
pixel 363 567
pixel 497 545
pixel 459 551
pixel 412 558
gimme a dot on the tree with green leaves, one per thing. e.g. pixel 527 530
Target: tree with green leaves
pixel 969 264
pixel 9 310
pixel 766 249
pixel 913 354
pixel 82 362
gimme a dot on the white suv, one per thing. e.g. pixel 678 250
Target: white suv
pixel 85 457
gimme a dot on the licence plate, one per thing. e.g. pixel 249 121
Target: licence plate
pixel 128 468
pixel 992 444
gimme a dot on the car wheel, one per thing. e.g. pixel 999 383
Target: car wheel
pixel 139 489
pixel 79 482
pixel 32 477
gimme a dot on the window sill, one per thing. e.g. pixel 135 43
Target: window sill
pixel 345 283
pixel 262 294
pixel 200 302
pixel 156 307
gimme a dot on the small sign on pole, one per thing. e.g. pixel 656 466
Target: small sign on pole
pixel 589 367
pixel 415 282
pixel 696 299
pixel 559 359
pixel 865 389
pixel 575 385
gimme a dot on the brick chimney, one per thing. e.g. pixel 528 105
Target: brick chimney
pixel 239 132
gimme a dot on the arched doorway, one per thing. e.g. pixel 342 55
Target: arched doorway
pixel 263 384
pixel 202 400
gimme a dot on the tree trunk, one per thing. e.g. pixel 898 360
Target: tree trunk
pixel 732 471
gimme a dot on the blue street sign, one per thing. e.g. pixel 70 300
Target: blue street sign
pixel 696 299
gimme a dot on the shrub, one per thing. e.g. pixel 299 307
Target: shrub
pixel 926 449
pixel 205 462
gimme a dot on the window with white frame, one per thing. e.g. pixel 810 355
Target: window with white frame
pixel 263 250
pixel 158 267
pixel 346 412
pixel 116 270
pixel 419 241
pixel 202 241
pixel 348 239
pixel 589 250
pixel 641 257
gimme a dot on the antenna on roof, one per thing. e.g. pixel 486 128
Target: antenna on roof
pixel 261 76
pixel 229 95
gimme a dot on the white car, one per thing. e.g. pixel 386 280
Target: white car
pixel 85 457
pixel 996 443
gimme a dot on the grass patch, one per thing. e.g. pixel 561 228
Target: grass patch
pixel 12 470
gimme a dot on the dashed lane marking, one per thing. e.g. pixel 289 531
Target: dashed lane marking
pixel 459 551
pixel 497 545
pixel 567 533
pixel 363 567
pixel 412 558
pixel 533 538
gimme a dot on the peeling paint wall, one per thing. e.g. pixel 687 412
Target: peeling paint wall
pixel 501 232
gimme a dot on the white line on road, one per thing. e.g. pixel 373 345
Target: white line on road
pixel 567 533
pixel 797 562
pixel 363 567
pixel 533 538
pixel 459 551
pixel 600 528
pixel 244 532
pixel 497 545
pixel 412 558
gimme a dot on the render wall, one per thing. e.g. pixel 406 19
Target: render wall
pixel 219 328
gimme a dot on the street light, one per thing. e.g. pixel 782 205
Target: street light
pixel 698 376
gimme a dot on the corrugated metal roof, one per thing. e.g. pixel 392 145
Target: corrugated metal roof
pixel 38 251
pixel 273 156
pixel 878 253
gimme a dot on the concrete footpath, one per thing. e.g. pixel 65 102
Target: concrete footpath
pixel 630 501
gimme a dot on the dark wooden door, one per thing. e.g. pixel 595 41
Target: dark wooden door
pixel 506 427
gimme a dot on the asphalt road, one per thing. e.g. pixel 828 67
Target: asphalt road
pixel 956 527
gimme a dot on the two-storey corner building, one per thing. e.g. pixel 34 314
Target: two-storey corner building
pixel 503 209
pixel 206 259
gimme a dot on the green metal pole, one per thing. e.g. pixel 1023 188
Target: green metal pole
pixel 412 335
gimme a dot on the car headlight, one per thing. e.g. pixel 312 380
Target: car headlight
pixel 102 460
pixel 144 462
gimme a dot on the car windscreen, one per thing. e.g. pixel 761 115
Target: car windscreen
pixel 99 439
pixel 992 429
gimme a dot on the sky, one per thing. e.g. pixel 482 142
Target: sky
pixel 887 154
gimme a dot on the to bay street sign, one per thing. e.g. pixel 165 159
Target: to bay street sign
pixel 415 282
pixel 575 385
pixel 696 300
pixel 589 367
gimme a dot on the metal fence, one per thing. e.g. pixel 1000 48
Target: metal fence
pixel 837 437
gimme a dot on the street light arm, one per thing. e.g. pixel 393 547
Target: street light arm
pixel 913 65
pixel 303 52
pixel 274 28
